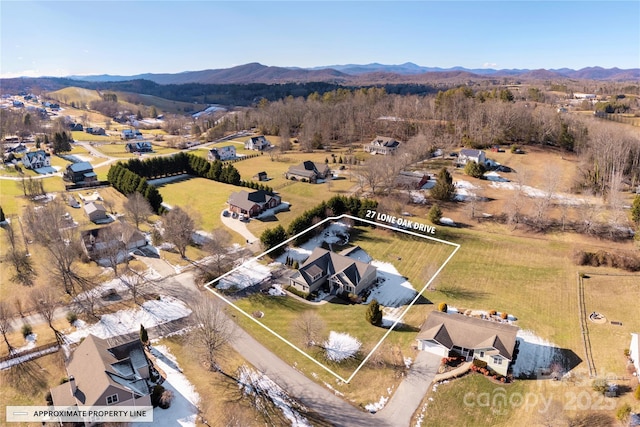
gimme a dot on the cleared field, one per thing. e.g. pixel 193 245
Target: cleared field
pixel 203 197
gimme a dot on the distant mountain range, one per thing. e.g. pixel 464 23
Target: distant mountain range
pixel 360 74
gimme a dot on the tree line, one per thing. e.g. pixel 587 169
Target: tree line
pixel 335 206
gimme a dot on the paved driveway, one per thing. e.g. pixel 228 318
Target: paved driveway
pixel 407 398
pixel 239 227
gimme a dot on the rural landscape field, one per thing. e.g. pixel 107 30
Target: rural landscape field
pixel 348 245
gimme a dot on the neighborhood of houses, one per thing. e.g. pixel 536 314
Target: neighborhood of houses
pixel 106 372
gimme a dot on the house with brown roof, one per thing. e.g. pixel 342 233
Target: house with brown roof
pixel 341 273
pixel 473 338
pixel 382 145
pixel 102 373
pixel 253 203
pixel 308 171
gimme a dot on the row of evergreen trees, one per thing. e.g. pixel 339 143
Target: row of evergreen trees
pixel 127 182
pixel 336 206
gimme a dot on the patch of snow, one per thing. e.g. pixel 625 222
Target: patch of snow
pixel 408 362
pixel 276 291
pixel 447 221
pixel 466 185
pixel 152 313
pixel 562 198
pixel 340 346
pixel 417 197
pixel 495 177
pixel 392 290
pixel 17 360
pixel 533 353
pixel 253 382
pixel 271 212
pixel 376 406
pixel 452 310
pixel 249 274
pixel 184 406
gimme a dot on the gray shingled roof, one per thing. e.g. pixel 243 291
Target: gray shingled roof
pixel 469 332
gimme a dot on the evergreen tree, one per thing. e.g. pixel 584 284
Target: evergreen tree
pixel 444 188
pixel 154 112
pixel 566 139
pixel 474 169
pixel 139 115
pixel 144 336
pixel 435 213
pixel 2 218
pixel 635 210
pixel 272 237
pixel 374 313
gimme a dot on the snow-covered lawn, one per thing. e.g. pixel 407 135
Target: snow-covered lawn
pixel 152 313
pixel 253 382
pixel 340 346
pixel 417 197
pixel 562 198
pixel 249 274
pixel 392 290
pixel 183 410
pixel 495 177
pixel 534 353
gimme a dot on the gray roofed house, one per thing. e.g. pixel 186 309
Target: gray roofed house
pixel 253 203
pixel 382 145
pixel 470 155
pixel 309 171
pixel 95 211
pixel 80 172
pixel 36 159
pixel 492 342
pixel 258 143
pixel 341 273
pixel 101 373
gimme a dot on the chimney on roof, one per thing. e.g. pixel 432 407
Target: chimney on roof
pixel 72 384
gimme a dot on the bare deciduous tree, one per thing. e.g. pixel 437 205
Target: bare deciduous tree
pixel 22 263
pixel 133 281
pixel 109 247
pixel 6 315
pixel 46 301
pixel 221 256
pixel 309 327
pixel 137 208
pixel 178 229
pixel 213 330
pixel 47 226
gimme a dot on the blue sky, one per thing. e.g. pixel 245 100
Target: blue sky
pixel 112 37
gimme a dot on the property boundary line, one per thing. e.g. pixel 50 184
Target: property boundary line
pixel 210 288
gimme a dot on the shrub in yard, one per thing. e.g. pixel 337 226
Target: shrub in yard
pixel 165 399
pixel 374 313
pixel 156 394
pixel 492 312
pixel 72 317
pixel 48 399
pixel 504 315
pixel 637 393
pixel 435 213
pixel 297 292
pixel 443 307
pixel 623 412
pixel 26 330
pixel 479 363
pixel 600 385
